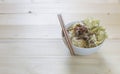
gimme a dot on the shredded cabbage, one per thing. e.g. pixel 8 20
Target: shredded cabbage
pixel 88 35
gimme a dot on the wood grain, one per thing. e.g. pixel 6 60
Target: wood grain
pixel 76 1
pixel 24 25
pixel 31 43
pixel 58 64
pixel 45 31
pixel 48 47
pixel 42 19
pixel 57 8
pixel 14 1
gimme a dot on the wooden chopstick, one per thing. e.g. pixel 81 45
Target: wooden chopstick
pixel 68 41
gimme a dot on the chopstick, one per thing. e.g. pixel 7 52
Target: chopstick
pixel 68 41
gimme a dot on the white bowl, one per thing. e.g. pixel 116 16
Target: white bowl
pixel 78 50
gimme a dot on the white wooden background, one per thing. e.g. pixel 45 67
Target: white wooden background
pixel 31 43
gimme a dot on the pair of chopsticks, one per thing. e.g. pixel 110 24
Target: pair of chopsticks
pixel 68 41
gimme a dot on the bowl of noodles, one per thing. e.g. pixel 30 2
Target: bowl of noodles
pixel 86 36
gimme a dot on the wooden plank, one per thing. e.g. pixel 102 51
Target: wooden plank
pixel 52 24
pixel 42 31
pixel 104 18
pixel 77 1
pixel 28 19
pixel 59 65
pixel 15 1
pixel 32 47
pixel 25 56
pixel 38 26
pixel 54 65
pixel 46 31
pixel 89 8
pixel 31 43
pixel 45 19
pixel 57 8
pixel 49 47
pixel 95 64
pixel 14 8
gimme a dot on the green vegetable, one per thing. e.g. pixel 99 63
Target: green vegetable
pixel 88 35
pixel 95 28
